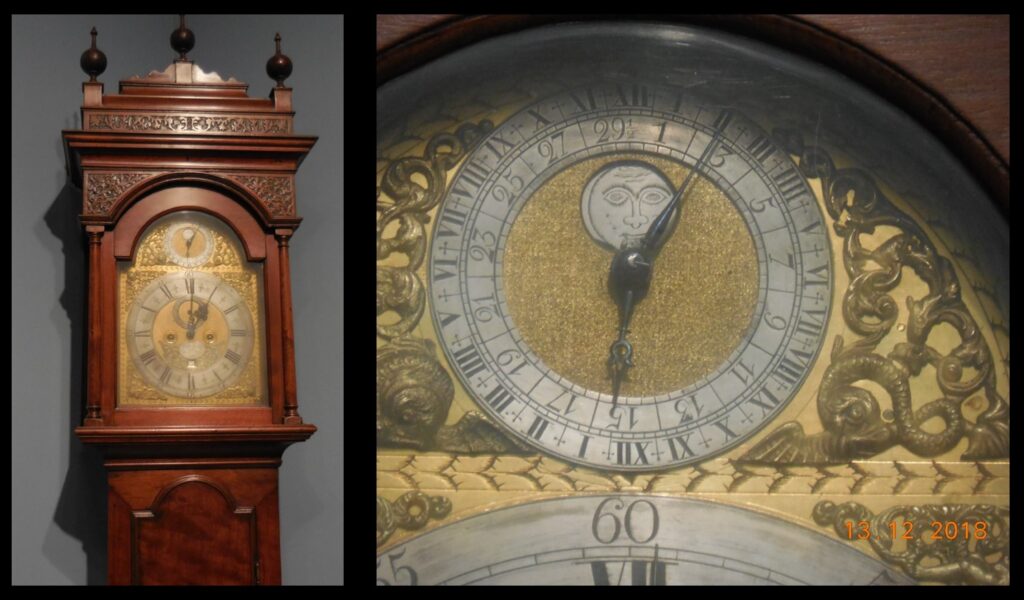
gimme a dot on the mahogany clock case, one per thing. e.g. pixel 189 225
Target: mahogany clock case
pixel 59 519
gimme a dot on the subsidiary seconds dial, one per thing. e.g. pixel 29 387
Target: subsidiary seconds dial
pixel 593 167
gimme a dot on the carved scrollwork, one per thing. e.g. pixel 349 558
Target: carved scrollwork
pixel 103 189
pixel 188 123
pixel 411 187
pixel 410 511
pixel 925 557
pixel 276 192
pixel 855 426
pixel 414 394
pixel 475 434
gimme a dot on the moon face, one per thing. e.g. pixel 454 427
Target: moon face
pixel 621 201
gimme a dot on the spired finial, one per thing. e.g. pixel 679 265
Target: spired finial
pixel 279 67
pixel 93 61
pixel 182 40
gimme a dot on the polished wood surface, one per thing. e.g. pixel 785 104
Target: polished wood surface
pixel 392 29
pixel 195 533
pixel 188 526
pixel 963 58
pixel 950 72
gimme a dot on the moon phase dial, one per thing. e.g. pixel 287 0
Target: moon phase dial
pixel 189 244
pixel 739 297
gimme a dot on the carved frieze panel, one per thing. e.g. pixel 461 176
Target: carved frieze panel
pixel 103 189
pixel 276 192
pixel 188 123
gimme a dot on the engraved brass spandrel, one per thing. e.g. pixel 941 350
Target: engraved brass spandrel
pixel 854 422
pixel 410 511
pixel 414 394
pixel 410 188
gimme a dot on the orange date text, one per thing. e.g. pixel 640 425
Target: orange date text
pixel 939 530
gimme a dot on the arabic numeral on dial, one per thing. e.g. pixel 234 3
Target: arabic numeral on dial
pixel 682 407
pixel 509 357
pixel 759 205
pixel 485 309
pixel 515 180
pixel 502 195
pixel 483 249
pixel 599 515
pixel 634 527
pixel 508 193
pixel 613 129
pixel 616 413
pixel 552 148
pixel 720 154
pixel 396 570
pixel 774 321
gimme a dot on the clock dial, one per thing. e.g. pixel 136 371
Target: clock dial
pixel 527 227
pixel 189 244
pixel 627 540
pixel 191 327
pixel 190 334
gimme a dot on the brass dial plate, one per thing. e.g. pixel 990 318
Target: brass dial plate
pixel 903 416
pixel 191 327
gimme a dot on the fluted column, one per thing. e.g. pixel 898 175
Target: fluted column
pixel 291 406
pixel 94 389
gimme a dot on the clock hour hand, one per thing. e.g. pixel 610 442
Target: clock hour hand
pixel 628 282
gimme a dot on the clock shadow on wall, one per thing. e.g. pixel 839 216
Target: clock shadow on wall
pixel 82 508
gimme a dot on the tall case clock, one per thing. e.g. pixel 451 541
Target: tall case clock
pixel 188 203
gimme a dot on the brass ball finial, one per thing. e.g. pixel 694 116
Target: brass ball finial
pixel 182 40
pixel 279 67
pixel 93 61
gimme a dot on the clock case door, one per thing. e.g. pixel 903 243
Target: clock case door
pixel 192 489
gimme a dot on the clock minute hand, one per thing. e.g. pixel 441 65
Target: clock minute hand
pixel 654 239
pixel 191 330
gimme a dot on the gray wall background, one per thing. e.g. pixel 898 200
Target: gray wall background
pixel 58 517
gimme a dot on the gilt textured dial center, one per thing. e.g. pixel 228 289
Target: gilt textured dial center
pixel 702 297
